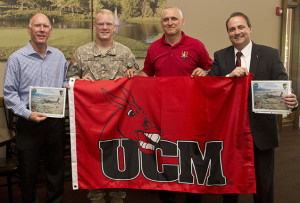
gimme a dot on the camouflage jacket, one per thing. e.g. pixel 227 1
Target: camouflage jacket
pixel 88 60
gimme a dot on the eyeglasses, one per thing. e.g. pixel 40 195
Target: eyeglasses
pixel 101 25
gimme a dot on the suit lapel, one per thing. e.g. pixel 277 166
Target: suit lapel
pixel 255 57
pixel 230 59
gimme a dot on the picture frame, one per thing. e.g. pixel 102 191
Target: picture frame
pixel 48 100
pixel 268 96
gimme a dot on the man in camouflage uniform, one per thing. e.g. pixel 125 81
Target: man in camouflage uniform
pixel 103 59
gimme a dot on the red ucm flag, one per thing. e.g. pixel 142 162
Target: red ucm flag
pixel 162 133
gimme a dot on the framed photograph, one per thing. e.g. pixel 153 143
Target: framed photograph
pixel 48 100
pixel 268 96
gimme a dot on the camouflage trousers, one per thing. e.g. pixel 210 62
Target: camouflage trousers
pixel 97 194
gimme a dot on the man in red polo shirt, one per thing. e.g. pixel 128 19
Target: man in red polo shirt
pixel 175 54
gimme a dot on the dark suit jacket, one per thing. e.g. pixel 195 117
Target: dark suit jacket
pixel 265 65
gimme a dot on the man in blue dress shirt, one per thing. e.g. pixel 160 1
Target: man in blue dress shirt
pixel 37 64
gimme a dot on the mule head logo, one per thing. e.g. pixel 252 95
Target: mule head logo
pixel 133 123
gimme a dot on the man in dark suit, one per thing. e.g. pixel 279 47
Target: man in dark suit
pixel 264 62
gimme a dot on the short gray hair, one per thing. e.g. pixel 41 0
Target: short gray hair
pixel 180 12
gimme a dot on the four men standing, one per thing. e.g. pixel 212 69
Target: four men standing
pixel 175 54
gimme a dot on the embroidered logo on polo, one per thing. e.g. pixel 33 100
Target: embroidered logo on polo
pixel 184 54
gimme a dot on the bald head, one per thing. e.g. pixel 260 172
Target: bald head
pixel 38 15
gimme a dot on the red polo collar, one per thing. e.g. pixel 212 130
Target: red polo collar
pixel 163 41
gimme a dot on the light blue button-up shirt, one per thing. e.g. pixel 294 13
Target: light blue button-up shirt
pixel 26 68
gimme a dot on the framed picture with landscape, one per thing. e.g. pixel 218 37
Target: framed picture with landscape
pixel 50 101
pixel 268 96
pixel 138 23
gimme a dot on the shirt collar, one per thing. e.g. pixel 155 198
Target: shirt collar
pixel 246 51
pixel 183 37
pixel 112 51
pixel 31 51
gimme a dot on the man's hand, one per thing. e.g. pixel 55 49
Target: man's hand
pixel 239 72
pixel 37 117
pixel 290 101
pixel 88 78
pixel 68 86
pixel 130 73
pixel 198 72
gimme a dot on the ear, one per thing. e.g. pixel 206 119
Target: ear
pixel 28 30
pixel 183 21
pixel 113 100
pixel 50 32
pixel 250 30
pixel 127 94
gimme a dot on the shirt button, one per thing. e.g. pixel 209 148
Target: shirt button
pixel 171 54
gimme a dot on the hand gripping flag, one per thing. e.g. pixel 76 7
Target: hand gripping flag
pixel 163 133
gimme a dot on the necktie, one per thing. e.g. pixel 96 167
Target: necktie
pixel 238 59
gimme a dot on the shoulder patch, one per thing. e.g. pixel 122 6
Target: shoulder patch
pixel 73 59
